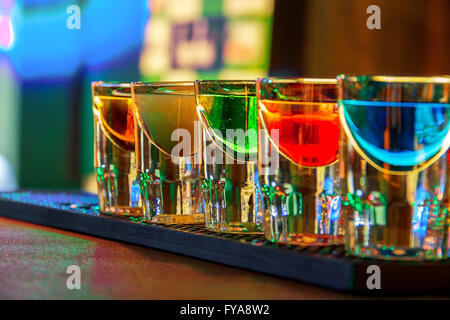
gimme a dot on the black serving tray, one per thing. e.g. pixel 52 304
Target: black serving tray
pixel 327 267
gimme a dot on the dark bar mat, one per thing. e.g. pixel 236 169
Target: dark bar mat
pixel 327 267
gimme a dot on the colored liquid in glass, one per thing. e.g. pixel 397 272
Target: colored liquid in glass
pixel 163 114
pixel 170 190
pixel 308 133
pixel 116 116
pixel 114 156
pixel 398 136
pixel 231 112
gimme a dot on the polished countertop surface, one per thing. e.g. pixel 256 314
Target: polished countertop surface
pixel 34 260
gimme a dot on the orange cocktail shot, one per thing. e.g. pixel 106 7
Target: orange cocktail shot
pixel 114 149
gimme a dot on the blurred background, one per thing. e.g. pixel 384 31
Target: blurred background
pixel 48 58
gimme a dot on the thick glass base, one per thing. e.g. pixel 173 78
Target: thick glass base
pixel 304 239
pixel 394 253
pixel 196 218
pixel 235 227
pixel 123 211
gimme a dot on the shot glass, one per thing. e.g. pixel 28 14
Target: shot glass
pixel 299 162
pixel 396 165
pixel 168 140
pixel 227 110
pixel 114 149
pixel 445 207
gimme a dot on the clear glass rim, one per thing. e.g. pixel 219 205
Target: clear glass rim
pixel 110 84
pixel 162 83
pixel 437 79
pixel 226 81
pixel 309 90
pixel 293 80
pixel 111 89
pixel 225 87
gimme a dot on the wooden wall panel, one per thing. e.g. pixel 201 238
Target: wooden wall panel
pixel 413 40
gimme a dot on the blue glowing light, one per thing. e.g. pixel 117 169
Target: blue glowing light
pixel 112 29
pixel 40 45
pixel 44 46
pixel 335 208
pixel 328 185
